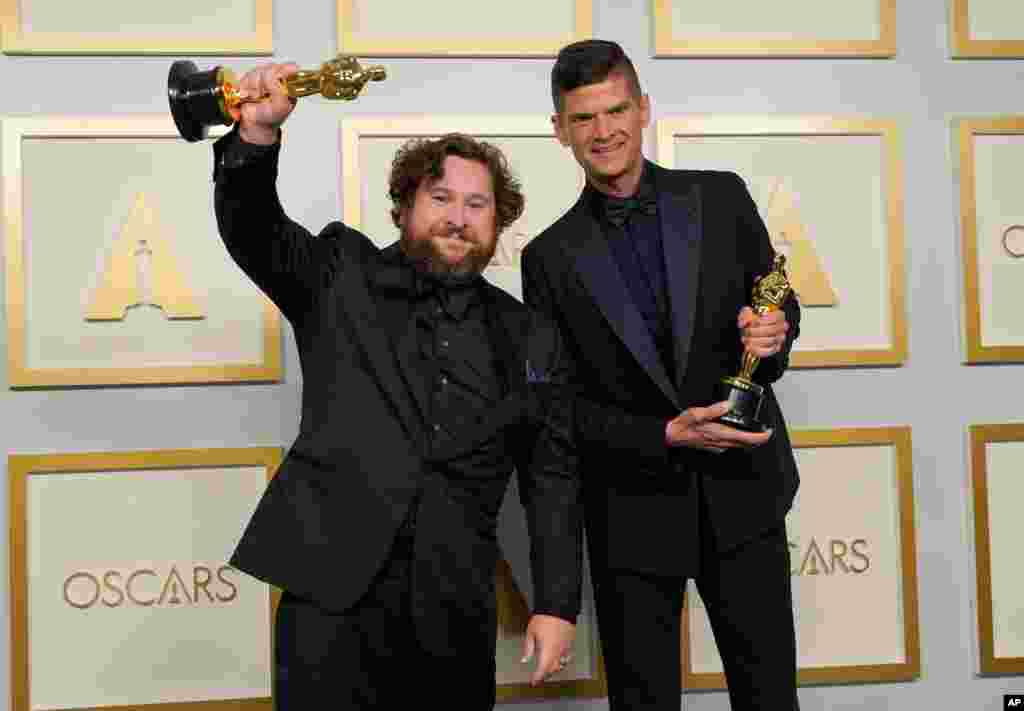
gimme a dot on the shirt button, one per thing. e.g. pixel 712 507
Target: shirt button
pixel 444 380
pixel 444 344
pixel 437 428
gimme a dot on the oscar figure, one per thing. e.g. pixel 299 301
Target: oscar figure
pixel 202 99
pixel 742 393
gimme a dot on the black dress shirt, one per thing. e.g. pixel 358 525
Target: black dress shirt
pixel 636 245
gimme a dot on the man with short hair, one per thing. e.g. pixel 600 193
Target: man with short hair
pixel 423 387
pixel 648 276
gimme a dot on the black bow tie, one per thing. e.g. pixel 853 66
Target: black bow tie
pixel 428 283
pixel 618 210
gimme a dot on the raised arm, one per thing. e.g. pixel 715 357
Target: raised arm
pixel 280 256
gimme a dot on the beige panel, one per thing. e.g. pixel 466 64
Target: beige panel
pixel 990 20
pixel 1006 531
pixel 843 237
pixel 805 28
pixel 989 152
pixel 781 19
pixel 128 281
pixel 128 600
pixel 852 553
pixel 129 27
pixel 1000 205
pixel 461 27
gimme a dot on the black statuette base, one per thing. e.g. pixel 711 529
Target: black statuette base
pixel 745 400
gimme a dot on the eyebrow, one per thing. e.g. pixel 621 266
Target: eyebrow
pixel 469 196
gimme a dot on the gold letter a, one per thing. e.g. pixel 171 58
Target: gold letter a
pixel 140 258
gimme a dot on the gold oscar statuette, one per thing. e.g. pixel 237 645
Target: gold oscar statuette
pixel 742 393
pixel 202 99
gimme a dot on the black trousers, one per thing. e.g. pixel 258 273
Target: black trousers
pixel 369 657
pixel 748 596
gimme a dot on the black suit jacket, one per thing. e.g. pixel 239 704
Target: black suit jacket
pixel 328 518
pixel 641 497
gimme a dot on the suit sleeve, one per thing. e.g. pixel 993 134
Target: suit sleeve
pixel 549 485
pixel 755 243
pixel 288 263
pixel 597 424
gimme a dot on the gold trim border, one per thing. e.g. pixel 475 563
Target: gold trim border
pixel 910 669
pixel 980 437
pixel 14 41
pixel 543 46
pixel 964 47
pixel 21 466
pixel 892 177
pixel 966 130
pixel 667 45
pixel 12 133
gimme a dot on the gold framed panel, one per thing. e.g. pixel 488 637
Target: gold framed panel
pixel 551 179
pixel 862 28
pixel 864 323
pixel 894 444
pixel 115 28
pixel 484 28
pixel 31 476
pixel 988 268
pixel 986 29
pixel 123 202
pixel 999 585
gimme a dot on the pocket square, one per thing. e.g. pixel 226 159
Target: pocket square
pixel 536 375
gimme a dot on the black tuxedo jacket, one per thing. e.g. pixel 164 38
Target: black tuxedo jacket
pixel 328 518
pixel 641 497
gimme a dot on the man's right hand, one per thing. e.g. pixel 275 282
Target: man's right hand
pixel 259 120
pixel 695 428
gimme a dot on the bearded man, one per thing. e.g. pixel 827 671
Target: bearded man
pixel 423 388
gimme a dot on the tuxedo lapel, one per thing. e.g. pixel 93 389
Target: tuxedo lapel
pixel 600 274
pixel 679 210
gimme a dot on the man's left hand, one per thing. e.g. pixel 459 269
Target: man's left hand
pixel 762 335
pixel 551 637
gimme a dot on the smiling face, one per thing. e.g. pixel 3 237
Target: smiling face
pixel 603 124
pixel 450 227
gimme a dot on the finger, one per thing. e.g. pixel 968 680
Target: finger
pixel 275 80
pixel 528 647
pixel 547 664
pixel 719 435
pixel 745 317
pixel 704 414
pixel 766 330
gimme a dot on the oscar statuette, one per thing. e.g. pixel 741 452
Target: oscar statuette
pixel 199 100
pixel 742 393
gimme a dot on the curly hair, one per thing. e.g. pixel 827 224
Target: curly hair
pixel 423 158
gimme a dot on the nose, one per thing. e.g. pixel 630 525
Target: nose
pixel 602 127
pixel 456 215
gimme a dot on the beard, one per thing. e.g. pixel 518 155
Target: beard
pixel 429 256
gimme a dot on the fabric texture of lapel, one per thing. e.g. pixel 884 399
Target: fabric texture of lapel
pixel 600 274
pixel 679 210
